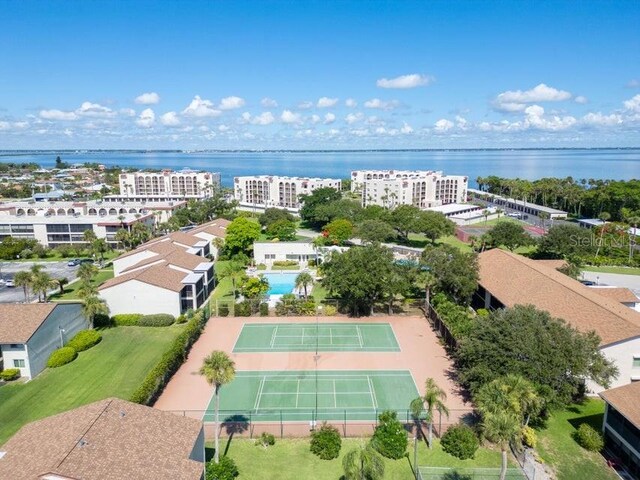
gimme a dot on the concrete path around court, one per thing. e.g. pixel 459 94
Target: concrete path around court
pixel 632 282
pixel 421 353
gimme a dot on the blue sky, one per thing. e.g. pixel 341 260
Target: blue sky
pixel 319 74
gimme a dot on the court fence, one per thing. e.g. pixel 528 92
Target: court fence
pixel 349 422
pixel 444 473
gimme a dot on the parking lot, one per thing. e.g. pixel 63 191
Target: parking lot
pixel 9 269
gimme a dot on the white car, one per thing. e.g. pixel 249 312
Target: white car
pixel 9 283
pixel 514 215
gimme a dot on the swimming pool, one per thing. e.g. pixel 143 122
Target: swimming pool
pixel 281 283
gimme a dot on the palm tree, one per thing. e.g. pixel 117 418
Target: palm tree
pixel 86 290
pixel 233 270
pixel 543 216
pixel 304 280
pixel 93 306
pixel 41 283
pixel 434 398
pixel 61 283
pixel 429 281
pixel 86 272
pixel 511 393
pixel 501 428
pixel 604 216
pixel 100 247
pixel 218 369
pixel 363 463
pixel 24 280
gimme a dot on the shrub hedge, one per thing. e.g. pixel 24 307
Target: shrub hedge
pixel 264 309
pixel 223 310
pixel 266 439
pixel 61 356
pixel 390 437
pixel 176 354
pixel 460 441
pixel 225 469
pixel 10 374
pixel 243 309
pixel 588 438
pixel 126 319
pixel 156 320
pixel 84 340
pixel 326 442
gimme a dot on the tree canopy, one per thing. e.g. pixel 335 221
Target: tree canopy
pixel 241 233
pixel 272 215
pixel 321 196
pixel 510 235
pixel 282 229
pixel 455 272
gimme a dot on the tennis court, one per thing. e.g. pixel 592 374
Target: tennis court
pixel 293 395
pixel 327 337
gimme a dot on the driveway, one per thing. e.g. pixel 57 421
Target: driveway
pixel 9 269
pixel 632 282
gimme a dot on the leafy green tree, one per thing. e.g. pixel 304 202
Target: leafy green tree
pixel 460 441
pixel 272 215
pixel 455 272
pixel 557 362
pixel 374 212
pixel 565 241
pixel 359 276
pixel 89 236
pixel 501 428
pixel 433 225
pixel 433 399
pixel 343 208
pixel 99 246
pixel 326 442
pixel 218 370
pixel 510 235
pixel 241 233
pixel 304 280
pixel 23 279
pixel 374 231
pixel 284 230
pixel 93 306
pixel 320 196
pixel 338 231
pixel 86 271
pixel 255 288
pixel 511 393
pixel 390 437
pixel 405 219
pixel 363 463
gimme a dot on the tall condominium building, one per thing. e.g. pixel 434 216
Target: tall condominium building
pixel 170 185
pixel 421 188
pixel 269 191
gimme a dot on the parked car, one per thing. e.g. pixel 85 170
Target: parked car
pixel 588 283
pixel 514 215
pixel 85 260
pixel 9 283
pixel 73 263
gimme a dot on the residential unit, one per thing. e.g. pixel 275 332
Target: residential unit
pixel 110 439
pixel 30 332
pixel 58 223
pixel 420 188
pixel 621 426
pixel 507 279
pixel 260 192
pixel 181 184
pixel 299 251
pixel 170 274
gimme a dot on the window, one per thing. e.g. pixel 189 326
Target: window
pixel 636 362
pixel 18 363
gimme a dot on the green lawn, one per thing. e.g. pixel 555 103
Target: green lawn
pixel 113 368
pixel 290 459
pixel 71 290
pixel 557 447
pixel 621 270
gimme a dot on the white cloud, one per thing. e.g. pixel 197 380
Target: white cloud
pixel 170 119
pixel 406 128
pixel 267 102
pixel 13 125
pixel 88 109
pixel 461 122
pixel 633 104
pixel 57 115
pixel 599 119
pixel 289 117
pixel 326 102
pixel 315 118
pixel 329 118
pixel 351 103
pixel 150 98
pixel 353 118
pixel 305 105
pixel 443 125
pixel 223 128
pixel 405 81
pixel 201 108
pixel 535 119
pixel 517 100
pixel 146 119
pixel 381 104
pixel 581 99
pixel 231 103
pixel 128 112
pixel 360 132
pixel 265 118
pixel 633 83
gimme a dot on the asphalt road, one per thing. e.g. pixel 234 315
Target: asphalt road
pixel 9 269
pixel 632 282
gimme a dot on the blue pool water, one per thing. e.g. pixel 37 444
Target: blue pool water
pixel 281 283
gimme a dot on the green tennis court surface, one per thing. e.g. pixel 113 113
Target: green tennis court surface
pixel 291 395
pixel 329 337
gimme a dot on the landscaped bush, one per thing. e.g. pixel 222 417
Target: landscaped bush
pixel 529 437
pixel 285 263
pixel 225 469
pixel 289 304
pixel 10 374
pixel 61 356
pixel 156 320
pixel 264 309
pixel 126 319
pixel 102 321
pixel 390 437
pixel 223 310
pixel 330 310
pixel 588 438
pixel 84 340
pixel 460 441
pixel 181 319
pixel 482 312
pixel 326 442
pixel 176 354
pixel 243 309
pixel 266 440
pixel 457 318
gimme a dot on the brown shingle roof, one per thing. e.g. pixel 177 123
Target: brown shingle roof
pixel 516 280
pixel 107 440
pixel 622 295
pixel 217 228
pixel 556 264
pixel 159 275
pixel 184 238
pixel 625 400
pixel 19 321
pixel 178 258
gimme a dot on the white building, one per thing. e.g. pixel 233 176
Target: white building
pixel 260 192
pixel 301 251
pixel 420 188
pixel 181 184
pixel 30 332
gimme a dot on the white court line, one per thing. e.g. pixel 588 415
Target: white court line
pixel 273 335
pixel 330 336
pixel 335 398
pixel 373 395
pixel 259 395
pixel 294 373
pixel 359 335
pixel 297 393
pixel 319 393
pixel 302 343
